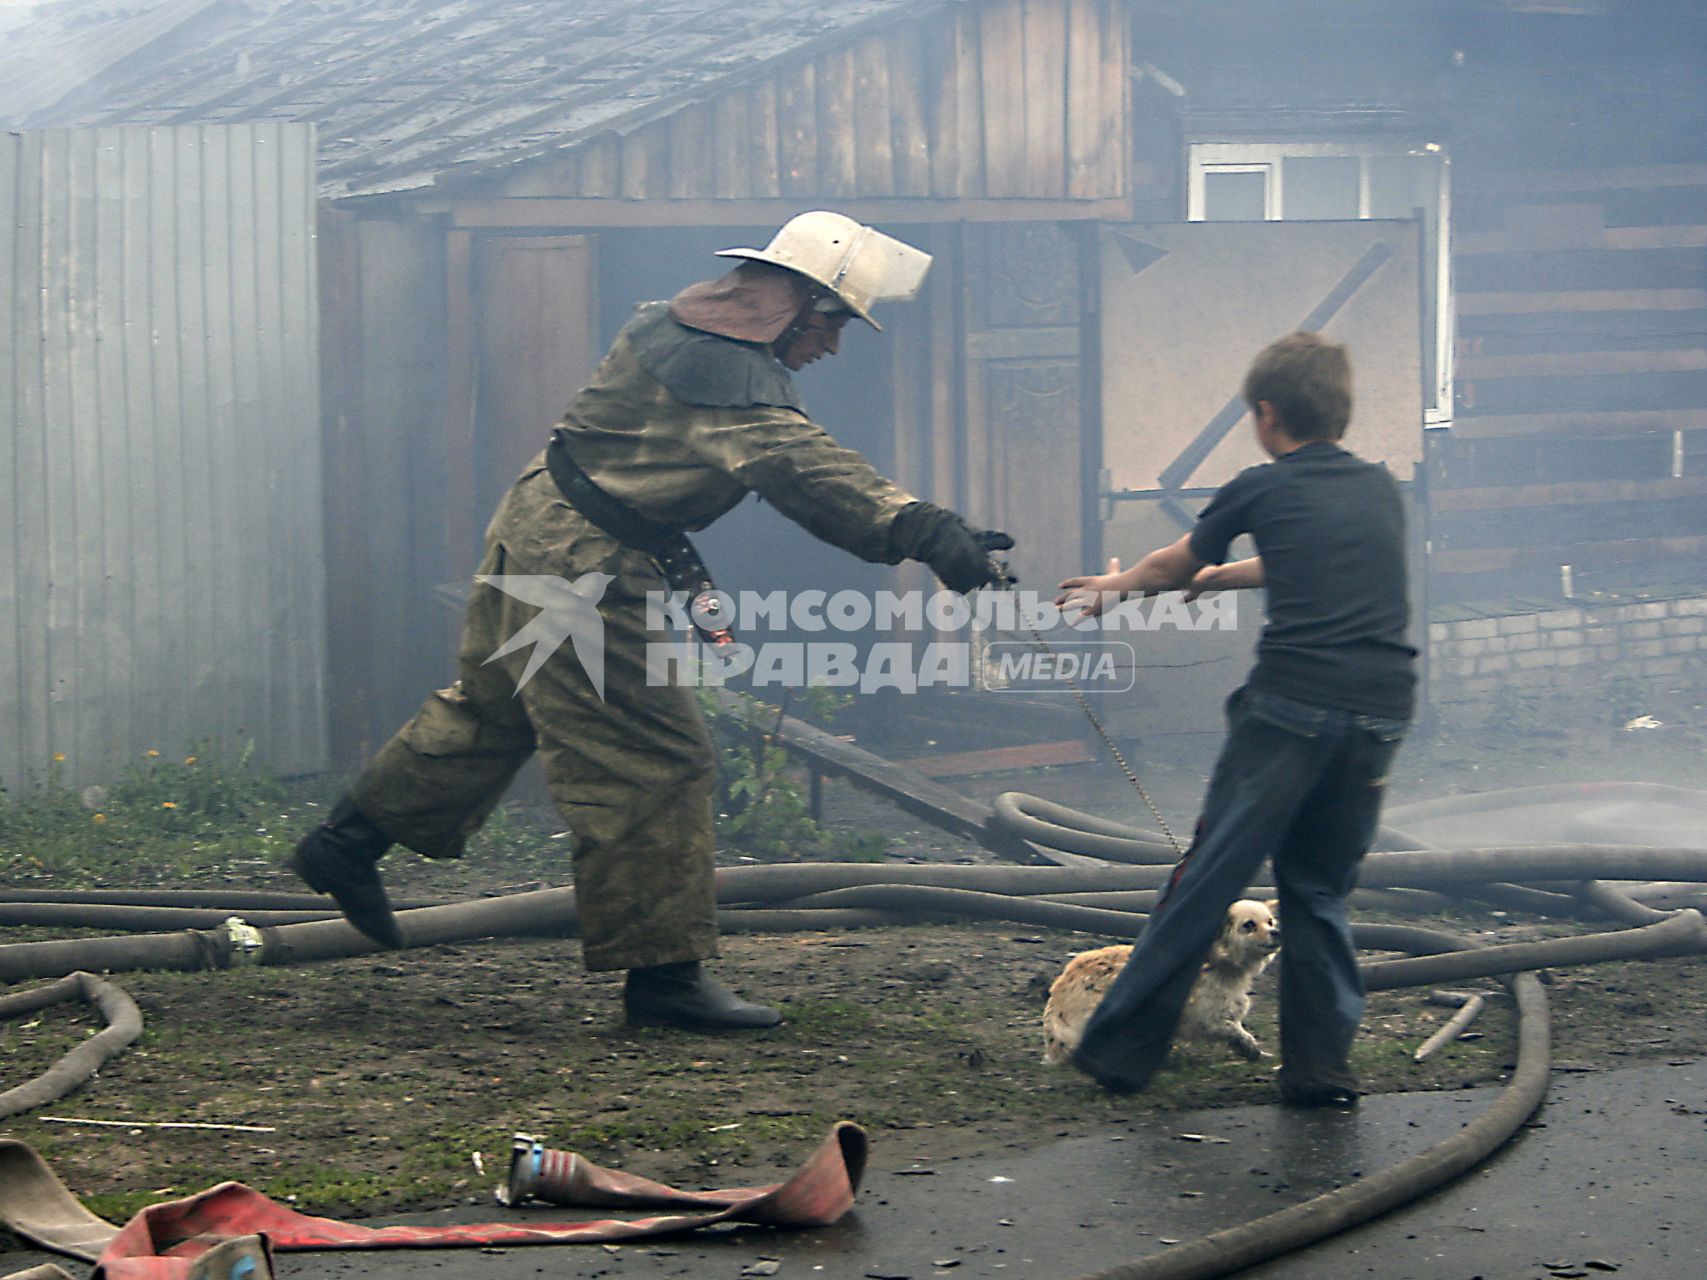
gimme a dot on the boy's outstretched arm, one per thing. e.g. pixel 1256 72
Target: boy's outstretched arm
pixel 1169 568
pixel 1232 576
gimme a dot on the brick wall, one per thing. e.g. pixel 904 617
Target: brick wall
pixel 1597 653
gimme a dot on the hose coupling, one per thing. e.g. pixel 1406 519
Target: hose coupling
pixel 539 1173
pixel 243 943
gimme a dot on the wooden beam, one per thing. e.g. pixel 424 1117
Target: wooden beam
pixel 909 390
pixel 1564 425
pixel 657 157
pixel 692 162
pixel 1543 363
pixel 764 144
pixel 797 125
pixel 349 631
pixel 874 140
pixel 896 783
pixel 1673 237
pixel 972 178
pixel 1586 555
pixel 1030 755
pixel 732 146
pixel 912 151
pixel 1668 237
pixel 460 514
pixel 1661 175
pixel 574 214
pixel 947 310
pixel 1001 70
pixel 635 165
pixel 1518 303
pixel 942 124
pixel 838 162
pixel 1044 58
pixel 1084 99
pixel 1115 179
pixel 601 167
pixel 1568 491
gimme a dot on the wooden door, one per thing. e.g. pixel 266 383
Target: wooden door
pixel 534 344
pixel 1022 465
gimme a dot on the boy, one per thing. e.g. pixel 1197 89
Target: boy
pixel 1310 736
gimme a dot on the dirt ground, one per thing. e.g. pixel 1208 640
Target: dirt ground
pixel 396 1081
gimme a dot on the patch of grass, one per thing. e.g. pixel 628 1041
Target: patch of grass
pixel 1516 714
pixel 30 1045
pixel 169 817
pixel 762 810
pixel 121 1207
pixel 810 1019
pixel 330 1190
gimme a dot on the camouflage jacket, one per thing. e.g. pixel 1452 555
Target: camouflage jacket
pixel 681 425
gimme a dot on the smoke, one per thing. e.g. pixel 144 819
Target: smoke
pixel 15 13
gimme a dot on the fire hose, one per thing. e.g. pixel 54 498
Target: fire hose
pixel 1026 895
pixel 1600 880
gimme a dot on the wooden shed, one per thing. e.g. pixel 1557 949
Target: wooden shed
pixel 1126 198
pixel 500 182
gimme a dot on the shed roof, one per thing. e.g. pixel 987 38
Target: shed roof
pixel 406 93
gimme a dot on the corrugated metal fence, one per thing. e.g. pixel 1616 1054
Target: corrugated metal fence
pixel 162 580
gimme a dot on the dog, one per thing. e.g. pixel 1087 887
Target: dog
pixel 1219 1001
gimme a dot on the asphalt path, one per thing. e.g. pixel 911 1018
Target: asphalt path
pixel 1609 1179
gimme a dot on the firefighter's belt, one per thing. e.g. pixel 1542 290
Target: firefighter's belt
pixel 612 515
pixel 675 554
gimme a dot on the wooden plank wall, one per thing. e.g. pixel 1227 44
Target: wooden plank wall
pixel 389 394
pixel 1581 425
pixel 1011 98
pixel 1024 434
pixel 162 581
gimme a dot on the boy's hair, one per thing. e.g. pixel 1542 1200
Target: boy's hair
pixel 1308 381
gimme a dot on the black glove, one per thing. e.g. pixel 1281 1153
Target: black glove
pixel 956 552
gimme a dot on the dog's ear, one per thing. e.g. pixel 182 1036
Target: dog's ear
pixel 1273 904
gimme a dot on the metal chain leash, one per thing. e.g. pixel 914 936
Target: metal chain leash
pixel 1007 580
pixel 1119 756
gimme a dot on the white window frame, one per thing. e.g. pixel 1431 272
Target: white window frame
pixel 1266 158
pixel 1270 187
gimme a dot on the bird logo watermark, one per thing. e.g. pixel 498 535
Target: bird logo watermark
pixel 979 657
pixel 568 610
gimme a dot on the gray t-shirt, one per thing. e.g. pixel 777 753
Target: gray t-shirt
pixel 1330 529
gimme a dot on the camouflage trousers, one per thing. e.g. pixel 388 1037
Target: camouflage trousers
pixel 632 770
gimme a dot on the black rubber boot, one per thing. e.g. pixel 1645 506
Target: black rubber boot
pixel 1334 1086
pixel 341 857
pixel 684 995
pixel 1329 1095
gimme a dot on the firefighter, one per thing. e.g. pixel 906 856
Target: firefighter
pixel 691 409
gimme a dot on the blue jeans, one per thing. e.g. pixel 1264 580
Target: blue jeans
pixel 1301 786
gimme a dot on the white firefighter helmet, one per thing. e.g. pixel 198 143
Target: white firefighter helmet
pixel 857 263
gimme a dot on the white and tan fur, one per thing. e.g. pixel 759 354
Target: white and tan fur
pixel 1219 1002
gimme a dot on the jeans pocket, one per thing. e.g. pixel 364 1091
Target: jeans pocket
pixel 1383 729
pixel 1375 761
pixel 1283 713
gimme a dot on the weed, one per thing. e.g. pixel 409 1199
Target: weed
pixel 122 1206
pixel 1514 714
pixel 166 817
pixel 809 1019
pixel 760 806
pixel 1626 696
